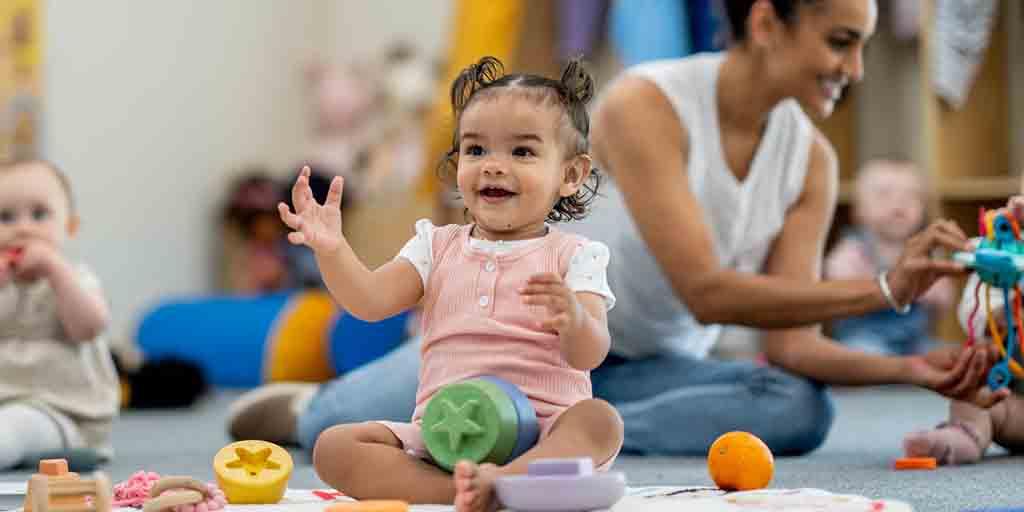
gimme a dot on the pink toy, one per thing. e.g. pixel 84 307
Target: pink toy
pixel 135 490
pixel 13 255
pixel 561 485
pixel 138 492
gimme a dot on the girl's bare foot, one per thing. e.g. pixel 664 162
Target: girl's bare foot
pixel 474 487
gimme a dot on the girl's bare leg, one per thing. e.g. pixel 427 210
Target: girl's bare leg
pixel 366 461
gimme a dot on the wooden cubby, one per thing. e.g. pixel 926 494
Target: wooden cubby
pixel 974 155
pixel 972 151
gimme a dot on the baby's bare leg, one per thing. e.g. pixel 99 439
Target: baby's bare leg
pixel 961 440
pixel 366 461
pixel 1008 424
pixel 981 421
pixel 591 428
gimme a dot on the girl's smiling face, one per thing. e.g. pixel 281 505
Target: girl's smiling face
pixel 512 166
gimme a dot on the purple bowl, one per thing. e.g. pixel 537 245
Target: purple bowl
pixel 561 493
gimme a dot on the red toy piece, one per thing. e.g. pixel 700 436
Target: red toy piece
pixel 13 255
pixel 329 495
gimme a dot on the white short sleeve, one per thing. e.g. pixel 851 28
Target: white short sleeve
pixel 419 249
pixel 588 271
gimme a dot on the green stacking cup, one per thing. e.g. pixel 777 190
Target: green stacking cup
pixel 473 420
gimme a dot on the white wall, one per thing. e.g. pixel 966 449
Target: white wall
pixel 149 105
pixel 361 29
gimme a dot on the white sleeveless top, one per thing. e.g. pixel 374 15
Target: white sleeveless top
pixel 744 217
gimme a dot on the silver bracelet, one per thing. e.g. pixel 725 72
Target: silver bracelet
pixel 883 283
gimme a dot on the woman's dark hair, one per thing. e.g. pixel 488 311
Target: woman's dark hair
pixel 571 93
pixel 738 12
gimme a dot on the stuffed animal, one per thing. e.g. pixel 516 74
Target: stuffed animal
pixel 254 232
pixel 345 105
pixel 368 119
pixel 407 80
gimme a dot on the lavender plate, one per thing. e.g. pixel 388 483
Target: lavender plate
pixel 561 486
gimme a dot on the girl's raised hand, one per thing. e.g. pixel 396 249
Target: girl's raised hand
pixel 315 225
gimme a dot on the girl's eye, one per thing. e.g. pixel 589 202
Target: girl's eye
pixel 523 151
pixel 7 216
pixel 40 213
pixel 474 150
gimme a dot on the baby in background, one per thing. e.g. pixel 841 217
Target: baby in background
pixel 890 205
pixel 58 387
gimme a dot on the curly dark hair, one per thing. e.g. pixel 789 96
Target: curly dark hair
pixel 571 93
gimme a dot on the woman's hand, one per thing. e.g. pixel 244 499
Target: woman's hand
pixel 917 270
pixel 958 373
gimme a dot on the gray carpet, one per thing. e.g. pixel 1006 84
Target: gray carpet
pixel 857 457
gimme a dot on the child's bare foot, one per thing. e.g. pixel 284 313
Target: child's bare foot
pixel 948 444
pixel 474 487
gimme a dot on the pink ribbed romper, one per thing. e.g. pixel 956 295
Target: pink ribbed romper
pixel 475 323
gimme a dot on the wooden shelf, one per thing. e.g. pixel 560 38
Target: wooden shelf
pixel 981 188
pixel 975 137
pixel 972 154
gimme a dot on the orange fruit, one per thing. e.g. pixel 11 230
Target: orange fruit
pixel 740 461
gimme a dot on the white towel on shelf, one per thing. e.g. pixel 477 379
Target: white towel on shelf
pixel 961 36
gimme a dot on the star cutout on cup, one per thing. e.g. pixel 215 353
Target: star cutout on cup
pixel 458 423
pixel 253 461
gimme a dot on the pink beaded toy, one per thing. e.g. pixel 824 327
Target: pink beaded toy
pixel 137 491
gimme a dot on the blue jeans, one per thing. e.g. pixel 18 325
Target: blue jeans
pixel 670 405
pixel 887 332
